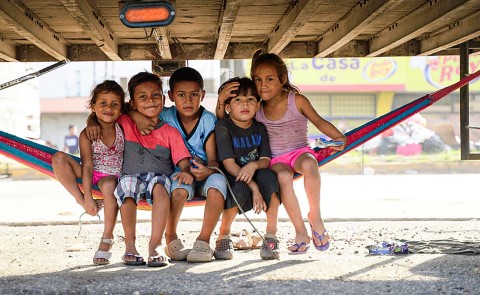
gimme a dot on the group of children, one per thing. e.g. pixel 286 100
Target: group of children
pixel 172 154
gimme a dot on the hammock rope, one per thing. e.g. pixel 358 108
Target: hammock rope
pixel 39 157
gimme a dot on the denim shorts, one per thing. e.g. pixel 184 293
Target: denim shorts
pixel 200 188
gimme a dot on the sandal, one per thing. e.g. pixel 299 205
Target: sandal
pixel 201 252
pixel 321 247
pixel 223 248
pixel 269 249
pixel 297 250
pixel 247 241
pixel 176 250
pixel 138 259
pixel 158 260
pixel 105 255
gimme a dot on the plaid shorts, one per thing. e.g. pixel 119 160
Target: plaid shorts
pixel 139 186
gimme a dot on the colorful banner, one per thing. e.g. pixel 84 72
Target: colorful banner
pixel 397 74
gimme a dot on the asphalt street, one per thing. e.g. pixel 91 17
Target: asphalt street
pixel 43 250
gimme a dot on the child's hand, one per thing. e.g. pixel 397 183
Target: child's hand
pixel 245 173
pixel 145 125
pixel 259 204
pixel 226 92
pixel 184 177
pixel 339 148
pixel 200 171
pixel 93 132
pixel 90 206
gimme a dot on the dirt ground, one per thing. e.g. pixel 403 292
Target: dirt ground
pixel 54 259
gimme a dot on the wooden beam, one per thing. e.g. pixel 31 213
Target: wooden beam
pixel 86 52
pixel 353 24
pixel 228 19
pixel 179 52
pixel 87 15
pixel 8 50
pixel 163 46
pixel 457 33
pixel 32 53
pixel 199 51
pixel 242 50
pixel 354 48
pixel 464 103
pixel 25 23
pixel 426 18
pixel 301 13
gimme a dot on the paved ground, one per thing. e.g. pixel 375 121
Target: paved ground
pixel 42 252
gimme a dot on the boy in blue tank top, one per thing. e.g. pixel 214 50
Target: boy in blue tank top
pixel 196 126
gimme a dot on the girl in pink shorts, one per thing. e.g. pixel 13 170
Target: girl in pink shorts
pixel 101 163
pixel 285 113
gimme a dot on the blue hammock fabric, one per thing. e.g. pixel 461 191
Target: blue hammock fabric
pixel 39 157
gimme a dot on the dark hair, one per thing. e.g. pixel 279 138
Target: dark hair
pixel 141 78
pixel 105 87
pixel 279 65
pixel 185 74
pixel 245 85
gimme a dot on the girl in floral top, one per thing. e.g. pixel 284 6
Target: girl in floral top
pixel 101 163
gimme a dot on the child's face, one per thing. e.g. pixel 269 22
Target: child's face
pixel 242 108
pixel 267 82
pixel 107 107
pixel 148 100
pixel 187 96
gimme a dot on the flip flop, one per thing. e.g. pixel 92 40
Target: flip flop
pixel 321 247
pixel 157 261
pixel 297 251
pixel 138 259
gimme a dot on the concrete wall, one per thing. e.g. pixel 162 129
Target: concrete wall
pixel 54 127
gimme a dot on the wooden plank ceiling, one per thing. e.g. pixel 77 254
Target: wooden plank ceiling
pixel 90 30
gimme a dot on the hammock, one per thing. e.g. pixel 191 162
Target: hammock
pixel 39 157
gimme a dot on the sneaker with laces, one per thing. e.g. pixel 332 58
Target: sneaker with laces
pixel 223 248
pixel 269 249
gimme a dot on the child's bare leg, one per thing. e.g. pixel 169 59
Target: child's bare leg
pixel 128 212
pixel 160 210
pixel 66 171
pixel 308 166
pixel 213 208
pixel 290 202
pixel 107 186
pixel 179 197
pixel 228 216
pixel 272 215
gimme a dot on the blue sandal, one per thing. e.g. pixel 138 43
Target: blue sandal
pixel 297 251
pixel 321 247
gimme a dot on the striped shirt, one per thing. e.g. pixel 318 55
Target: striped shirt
pixel 288 133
